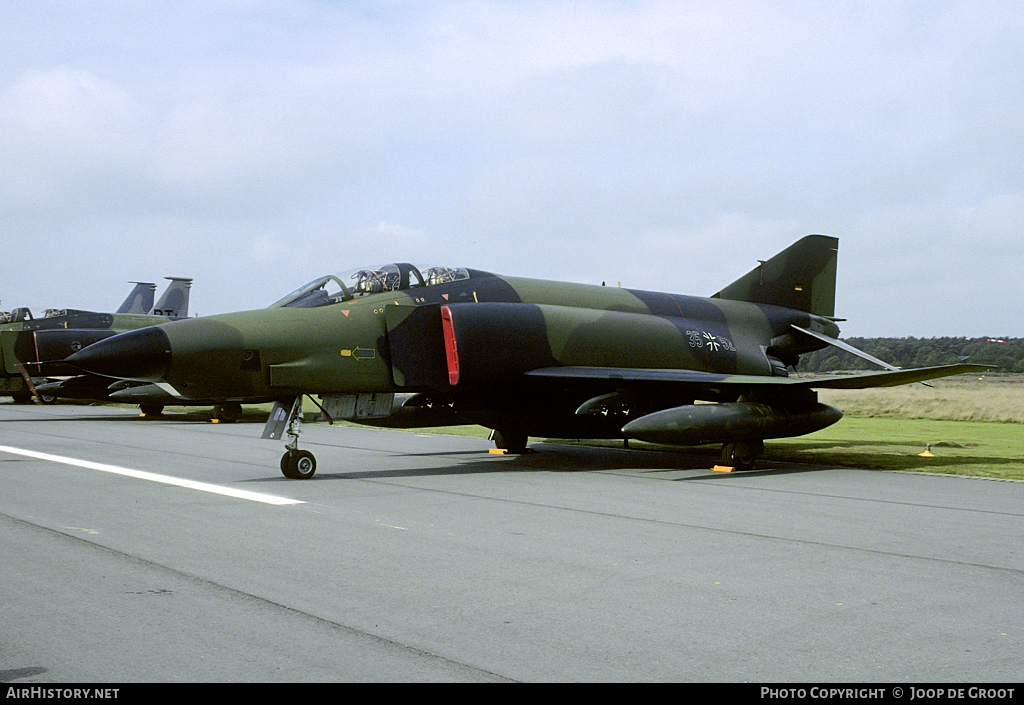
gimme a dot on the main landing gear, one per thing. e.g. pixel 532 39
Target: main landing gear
pixel 295 464
pixel 509 441
pixel 742 454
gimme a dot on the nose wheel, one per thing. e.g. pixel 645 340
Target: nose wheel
pixel 298 464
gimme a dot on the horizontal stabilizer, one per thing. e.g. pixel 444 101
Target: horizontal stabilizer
pixel 844 346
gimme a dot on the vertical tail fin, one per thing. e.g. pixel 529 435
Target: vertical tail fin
pixel 803 276
pixel 174 302
pixel 140 300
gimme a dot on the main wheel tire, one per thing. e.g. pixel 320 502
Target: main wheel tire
pixel 298 464
pixel 511 442
pixel 227 413
pixel 741 454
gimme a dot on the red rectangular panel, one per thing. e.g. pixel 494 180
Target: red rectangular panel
pixel 451 349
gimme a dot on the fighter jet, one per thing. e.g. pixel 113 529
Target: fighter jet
pixel 29 344
pixel 400 345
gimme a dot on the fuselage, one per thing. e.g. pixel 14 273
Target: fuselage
pixel 366 341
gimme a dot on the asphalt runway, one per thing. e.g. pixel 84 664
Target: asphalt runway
pixel 425 558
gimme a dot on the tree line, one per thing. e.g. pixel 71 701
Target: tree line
pixel 1006 353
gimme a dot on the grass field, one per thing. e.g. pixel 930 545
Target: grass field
pixel 987 399
pixel 974 426
pixel 971 448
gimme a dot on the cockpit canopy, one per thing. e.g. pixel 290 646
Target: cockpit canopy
pixel 369 280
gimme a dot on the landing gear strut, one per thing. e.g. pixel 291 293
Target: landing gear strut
pixel 295 464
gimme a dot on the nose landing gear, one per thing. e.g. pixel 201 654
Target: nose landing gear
pixel 295 464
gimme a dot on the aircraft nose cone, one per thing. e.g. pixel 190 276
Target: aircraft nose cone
pixel 143 354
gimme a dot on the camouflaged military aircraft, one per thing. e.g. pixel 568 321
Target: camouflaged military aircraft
pixel 29 344
pixel 406 346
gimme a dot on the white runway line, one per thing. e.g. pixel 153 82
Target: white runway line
pixel 155 477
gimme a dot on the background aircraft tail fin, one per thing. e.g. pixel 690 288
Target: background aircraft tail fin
pixel 803 276
pixel 174 302
pixel 140 300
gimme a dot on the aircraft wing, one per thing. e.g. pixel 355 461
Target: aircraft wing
pixel 705 380
pixel 893 378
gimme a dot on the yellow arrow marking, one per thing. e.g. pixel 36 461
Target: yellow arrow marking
pixel 360 353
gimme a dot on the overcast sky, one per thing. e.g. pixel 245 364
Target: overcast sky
pixel 255 145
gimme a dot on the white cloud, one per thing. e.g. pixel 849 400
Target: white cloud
pixel 66 134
